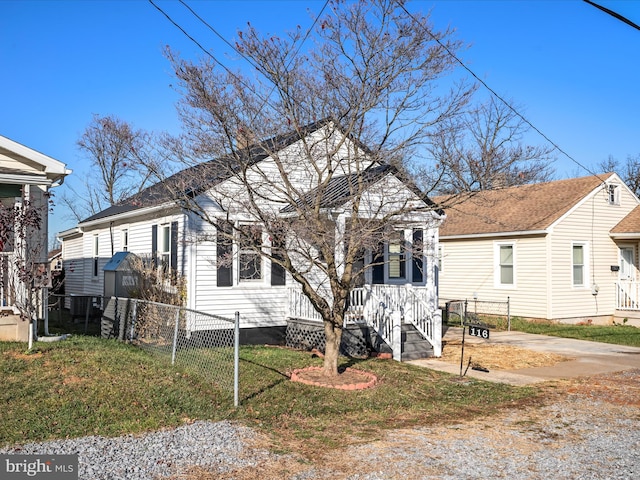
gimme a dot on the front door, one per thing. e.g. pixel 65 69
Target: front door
pixel 627 263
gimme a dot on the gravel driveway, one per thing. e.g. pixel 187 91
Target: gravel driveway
pixel 591 431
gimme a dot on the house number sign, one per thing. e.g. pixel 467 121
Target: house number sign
pixel 476 331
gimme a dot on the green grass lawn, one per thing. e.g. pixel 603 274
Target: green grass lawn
pixel 86 385
pixel 617 334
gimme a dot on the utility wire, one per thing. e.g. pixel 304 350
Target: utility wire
pixel 249 60
pixel 613 14
pixel 199 45
pixel 493 92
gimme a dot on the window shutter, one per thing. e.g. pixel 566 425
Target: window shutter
pixel 224 246
pixel 378 265
pixel 418 257
pixel 278 273
pixel 174 247
pixel 154 246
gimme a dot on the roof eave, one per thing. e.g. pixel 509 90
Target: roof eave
pixel 472 236
pixel 127 215
pixel 625 235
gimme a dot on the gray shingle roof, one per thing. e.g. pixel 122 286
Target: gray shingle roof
pixel 200 177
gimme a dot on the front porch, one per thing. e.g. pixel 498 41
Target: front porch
pixel 628 302
pixel 393 312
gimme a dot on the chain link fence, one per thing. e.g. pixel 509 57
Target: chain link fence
pixel 207 345
pixel 472 311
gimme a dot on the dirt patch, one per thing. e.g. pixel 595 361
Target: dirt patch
pixel 23 356
pixel 349 379
pixel 620 388
pixel 498 357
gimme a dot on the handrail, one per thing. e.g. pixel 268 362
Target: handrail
pixel 375 305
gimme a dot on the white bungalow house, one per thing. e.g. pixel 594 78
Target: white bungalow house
pixel 25 176
pixel 565 250
pixel 151 224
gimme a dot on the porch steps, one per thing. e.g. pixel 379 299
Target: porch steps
pixel 414 346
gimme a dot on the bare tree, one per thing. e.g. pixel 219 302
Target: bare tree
pixel 482 150
pixel 629 171
pixel 359 101
pixel 116 151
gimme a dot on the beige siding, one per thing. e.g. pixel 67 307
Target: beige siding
pixel 469 268
pixel 589 223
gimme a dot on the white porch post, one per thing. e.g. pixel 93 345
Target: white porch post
pixel 340 229
pixel 396 335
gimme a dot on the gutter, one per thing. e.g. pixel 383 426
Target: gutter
pixel 471 236
pixel 126 215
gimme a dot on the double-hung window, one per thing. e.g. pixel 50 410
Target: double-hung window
pixel 505 265
pixel 164 248
pixel 125 240
pixel 396 257
pixel 249 257
pixel 96 255
pixel 578 264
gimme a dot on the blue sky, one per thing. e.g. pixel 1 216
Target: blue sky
pixel 572 68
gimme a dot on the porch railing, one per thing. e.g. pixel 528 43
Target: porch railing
pixel 384 308
pixel 6 269
pixel 627 295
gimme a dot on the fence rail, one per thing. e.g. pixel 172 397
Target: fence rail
pixel 206 344
pixel 466 310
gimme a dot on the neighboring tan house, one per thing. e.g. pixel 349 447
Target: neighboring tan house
pixel 565 250
pixel 25 176
pixel 152 225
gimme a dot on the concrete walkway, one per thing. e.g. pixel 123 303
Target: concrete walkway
pixel 591 358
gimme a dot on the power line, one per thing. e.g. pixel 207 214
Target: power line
pixel 493 92
pixel 613 14
pixel 249 60
pixel 207 52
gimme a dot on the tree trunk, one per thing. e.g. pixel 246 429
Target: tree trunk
pixel 333 335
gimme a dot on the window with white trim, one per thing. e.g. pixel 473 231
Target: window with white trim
pixel 613 192
pixel 505 265
pixel 164 249
pixel 249 257
pixel 396 257
pixel 96 255
pixel 125 240
pixel 579 264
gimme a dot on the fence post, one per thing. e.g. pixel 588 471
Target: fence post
pixel 236 359
pixel 134 318
pixel 175 337
pixel 508 314
pixel 464 318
